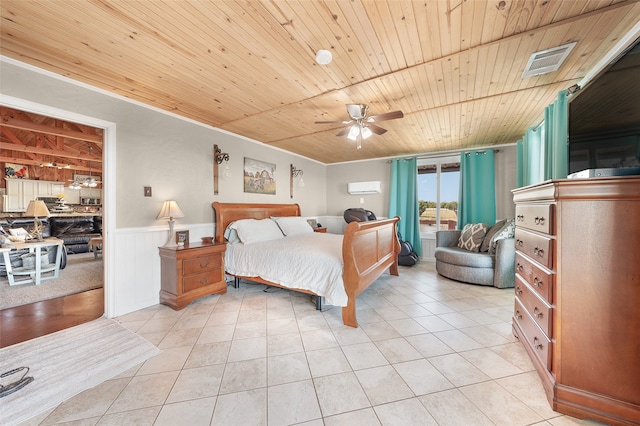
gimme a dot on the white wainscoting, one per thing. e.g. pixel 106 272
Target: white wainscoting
pixel 428 248
pixel 136 264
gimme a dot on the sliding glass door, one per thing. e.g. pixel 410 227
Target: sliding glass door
pixel 438 189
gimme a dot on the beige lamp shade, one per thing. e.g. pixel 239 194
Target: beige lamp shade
pixel 37 208
pixel 170 209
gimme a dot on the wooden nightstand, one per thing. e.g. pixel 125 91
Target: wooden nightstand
pixel 190 272
pixel 321 230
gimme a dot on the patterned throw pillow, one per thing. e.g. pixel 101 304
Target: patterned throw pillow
pixel 495 228
pixel 472 235
pixel 507 231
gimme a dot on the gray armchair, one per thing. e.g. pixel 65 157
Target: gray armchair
pixel 482 268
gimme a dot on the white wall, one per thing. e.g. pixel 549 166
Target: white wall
pixel 339 176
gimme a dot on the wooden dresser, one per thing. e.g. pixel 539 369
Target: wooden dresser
pixel 190 272
pixel 577 304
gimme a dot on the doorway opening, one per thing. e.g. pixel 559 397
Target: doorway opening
pixel 60 163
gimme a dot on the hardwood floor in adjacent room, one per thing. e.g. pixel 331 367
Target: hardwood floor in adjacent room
pixel 48 316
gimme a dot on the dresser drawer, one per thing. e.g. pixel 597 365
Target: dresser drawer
pixel 537 247
pixel 535 306
pixel 533 336
pixel 198 281
pixel 537 217
pixel 201 264
pixel 539 279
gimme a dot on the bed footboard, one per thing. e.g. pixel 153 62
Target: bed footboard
pixel 368 249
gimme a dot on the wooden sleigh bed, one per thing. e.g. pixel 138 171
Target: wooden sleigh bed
pixel 368 248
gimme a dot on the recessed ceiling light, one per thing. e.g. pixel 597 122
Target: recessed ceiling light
pixel 323 57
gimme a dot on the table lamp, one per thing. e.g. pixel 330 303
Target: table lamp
pixel 170 210
pixel 36 209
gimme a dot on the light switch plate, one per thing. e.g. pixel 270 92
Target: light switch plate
pixel 147 191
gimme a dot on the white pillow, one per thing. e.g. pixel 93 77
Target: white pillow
pixel 294 225
pixel 253 230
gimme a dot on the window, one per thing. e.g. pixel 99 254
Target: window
pixel 438 189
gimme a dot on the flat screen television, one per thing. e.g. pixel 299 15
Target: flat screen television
pixel 604 120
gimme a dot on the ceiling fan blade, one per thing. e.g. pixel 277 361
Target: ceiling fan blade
pixel 343 132
pixel 376 129
pixel 386 116
pixel 334 122
pixel 357 111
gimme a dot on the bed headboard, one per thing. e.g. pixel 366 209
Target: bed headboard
pixel 228 212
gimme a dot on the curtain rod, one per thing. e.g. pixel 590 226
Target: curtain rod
pixel 453 152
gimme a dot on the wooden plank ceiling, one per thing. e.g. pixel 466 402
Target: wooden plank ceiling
pixel 51 149
pixel 452 66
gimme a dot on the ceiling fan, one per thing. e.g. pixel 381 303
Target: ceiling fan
pixel 361 125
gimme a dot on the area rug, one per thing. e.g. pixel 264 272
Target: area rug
pixel 67 362
pixel 83 272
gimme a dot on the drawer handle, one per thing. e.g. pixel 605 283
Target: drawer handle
pixel 518 314
pixel 203 266
pixel 519 267
pixel 205 281
pixel 520 218
pixel 539 220
pixel 538 252
pixel 537 312
pixel 519 242
pixel 538 283
pixel 538 345
pixel 518 290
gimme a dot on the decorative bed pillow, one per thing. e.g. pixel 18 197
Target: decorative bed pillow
pixel 231 234
pixel 495 228
pixel 294 225
pixel 253 230
pixel 507 231
pixel 472 235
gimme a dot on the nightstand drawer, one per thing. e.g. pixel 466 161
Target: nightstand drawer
pixel 200 264
pixel 538 247
pixel 538 278
pixel 194 282
pixel 537 217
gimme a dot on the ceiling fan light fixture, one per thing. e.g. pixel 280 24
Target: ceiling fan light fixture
pixel 323 57
pixel 366 132
pixel 354 131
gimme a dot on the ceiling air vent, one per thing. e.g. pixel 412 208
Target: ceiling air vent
pixel 547 61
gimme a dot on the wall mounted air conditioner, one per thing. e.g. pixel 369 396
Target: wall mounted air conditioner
pixel 373 187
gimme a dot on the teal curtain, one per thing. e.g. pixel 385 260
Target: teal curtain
pixel 543 150
pixel 477 201
pixel 403 200
pixel 529 162
pixel 556 132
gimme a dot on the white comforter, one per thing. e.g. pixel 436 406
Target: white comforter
pixel 309 261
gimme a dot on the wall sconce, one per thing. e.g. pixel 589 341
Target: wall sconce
pixel 218 158
pixel 294 173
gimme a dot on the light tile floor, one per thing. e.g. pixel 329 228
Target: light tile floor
pixel 428 351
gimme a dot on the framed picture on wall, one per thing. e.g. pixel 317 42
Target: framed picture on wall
pixel 16 171
pixel 259 177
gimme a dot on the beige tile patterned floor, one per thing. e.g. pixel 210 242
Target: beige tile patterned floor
pixel 429 351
